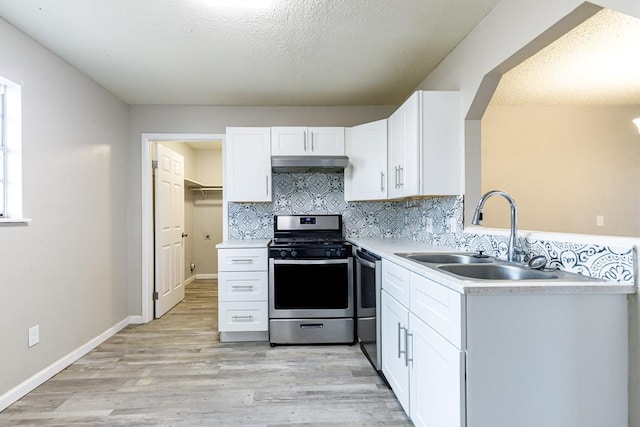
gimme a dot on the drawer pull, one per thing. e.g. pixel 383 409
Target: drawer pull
pixel 248 318
pixel 242 287
pixel 311 325
pixel 241 261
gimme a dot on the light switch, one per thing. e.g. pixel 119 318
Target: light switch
pixel 599 220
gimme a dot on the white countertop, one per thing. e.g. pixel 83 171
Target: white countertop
pixel 388 247
pixel 243 243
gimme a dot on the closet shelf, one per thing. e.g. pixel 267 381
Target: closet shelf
pixel 203 188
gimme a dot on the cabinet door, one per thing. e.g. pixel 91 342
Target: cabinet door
pixel 404 149
pixel 441 143
pixel 325 141
pixel 436 378
pixel 394 323
pixel 288 141
pixel 247 163
pixel 366 176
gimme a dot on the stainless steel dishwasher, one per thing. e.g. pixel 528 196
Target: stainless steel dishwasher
pixel 368 278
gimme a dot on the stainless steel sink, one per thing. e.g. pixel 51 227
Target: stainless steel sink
pixel 446 258
pixel 497 272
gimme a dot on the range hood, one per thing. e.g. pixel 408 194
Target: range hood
pixel 324 164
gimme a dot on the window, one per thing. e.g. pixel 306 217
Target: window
pixel 3 154
pixel 10 152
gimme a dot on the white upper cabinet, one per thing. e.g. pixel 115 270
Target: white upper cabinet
pixel 248 164
pixel 404 141
pixel 366 176
pixel 425 154
pixel 441 144
pixel 310 141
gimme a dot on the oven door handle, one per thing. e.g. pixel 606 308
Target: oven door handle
pixel 365 262
pixel 311 261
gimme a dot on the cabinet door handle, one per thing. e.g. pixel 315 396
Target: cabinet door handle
pixel 381 181
pixel 400 351
pixel 407 359
pixel 401 175
pixel 241 261
pixel 311 135
pixel 266 182
pixel 305 140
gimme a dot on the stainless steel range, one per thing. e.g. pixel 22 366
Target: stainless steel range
pixel 311 298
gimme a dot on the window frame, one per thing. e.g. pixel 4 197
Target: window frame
pixel 12 150
pixel 3 151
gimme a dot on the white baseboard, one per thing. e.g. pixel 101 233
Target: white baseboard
pixel 30 384
pixel 189 280
pixel 207 276
pixel 135 320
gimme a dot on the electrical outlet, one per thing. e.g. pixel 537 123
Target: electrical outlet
pixel 453 225
pixel 429 225
pixel 599 220
pixel 34 335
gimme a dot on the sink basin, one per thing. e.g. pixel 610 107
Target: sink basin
pixel 497 272
pixel 445 258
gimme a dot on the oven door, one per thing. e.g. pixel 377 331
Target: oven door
pixel 310 288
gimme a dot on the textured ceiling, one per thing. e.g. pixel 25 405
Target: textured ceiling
pixel 597 63
pixel 296 52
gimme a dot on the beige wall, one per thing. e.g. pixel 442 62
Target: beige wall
pixel 564 165
pixel 66 270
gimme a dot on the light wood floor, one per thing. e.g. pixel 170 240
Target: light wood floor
pixel 175 372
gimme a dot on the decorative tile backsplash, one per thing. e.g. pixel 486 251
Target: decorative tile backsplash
pixel 434 220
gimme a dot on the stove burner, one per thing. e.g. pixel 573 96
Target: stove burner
pixel 317 239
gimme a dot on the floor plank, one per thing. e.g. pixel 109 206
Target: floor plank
pixel 175 372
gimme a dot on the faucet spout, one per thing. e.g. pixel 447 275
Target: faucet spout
pixel 514 252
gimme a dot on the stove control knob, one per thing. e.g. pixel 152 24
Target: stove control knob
pixel 294 253
pixel 327 253
pixel 338 252
pixel 283 254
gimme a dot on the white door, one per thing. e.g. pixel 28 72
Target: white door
pixel 169 230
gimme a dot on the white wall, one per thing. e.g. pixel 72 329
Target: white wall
pixel 66 271
pixel 507 31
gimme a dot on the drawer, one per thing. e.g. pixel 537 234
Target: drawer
pixel 242 316
pixel 242 285
pixel 395 280
pixel 437 306
pixel 252 259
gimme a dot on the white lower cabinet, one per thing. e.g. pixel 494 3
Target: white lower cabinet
pixel 503 359
pixel 436 378
pixel 425 371
pixel 395 366
pixel 242 294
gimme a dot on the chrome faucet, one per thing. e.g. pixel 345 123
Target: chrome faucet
pixel 514 252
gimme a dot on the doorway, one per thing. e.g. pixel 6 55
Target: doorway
pixel 195 189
